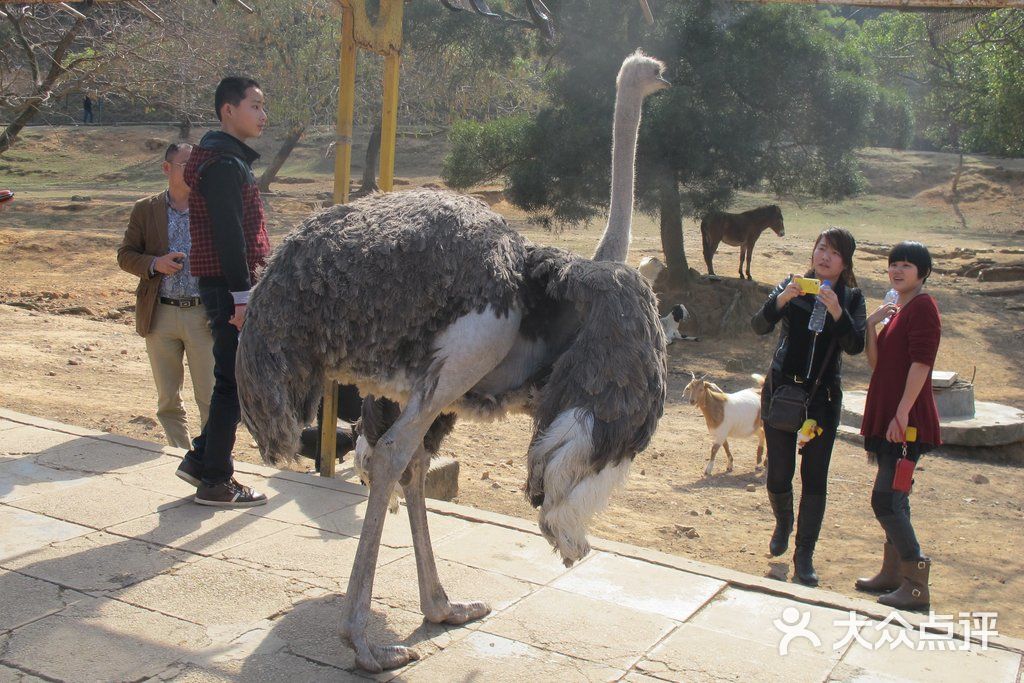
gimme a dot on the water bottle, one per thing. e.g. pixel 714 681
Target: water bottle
pixel 891 297
pixel 817 322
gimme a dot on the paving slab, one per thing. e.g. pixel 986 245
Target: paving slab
pixel 506 551
pixel 23 440
pixel 315 556
pixel 101 640
pixel 581 627
pixel 213 592
pixel 696 653
pixel 260 668
pixel 764 619
pixel 22 532
pixel 295 503
pixel 34 599
pixel 640 585
pixel 396 585
pixel 23 477
pixel 99 456
pixel 397 533
pixel 9 675
pixel 487 657
pixel 901 654
pixel 98 562
pixel 7 424
pixel 198 529
pixel 102 502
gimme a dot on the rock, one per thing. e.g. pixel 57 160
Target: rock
pixel 124 352
pixel 76 310
pixel 51 373
pixel 1002 274
pixel 114 314
pixel 692 533
pixel 751 487
pixel 707 511
pixel 643 473
pixel 734 365
pixel 495 485
pixel 1015 307
pixel 694 513
pixel 485 475
pixel 74 361
pixel 156 144
pixel 81 198
pixel 979 479
pixel 143 420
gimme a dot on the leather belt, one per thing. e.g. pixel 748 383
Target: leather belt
pixel 182 303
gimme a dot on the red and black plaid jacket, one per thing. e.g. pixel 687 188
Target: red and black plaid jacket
pixel 204 257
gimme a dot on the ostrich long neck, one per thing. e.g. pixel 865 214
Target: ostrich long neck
pixel 614 245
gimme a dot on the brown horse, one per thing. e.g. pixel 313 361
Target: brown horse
pixel 739 230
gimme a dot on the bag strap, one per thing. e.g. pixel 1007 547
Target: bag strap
pixel 828 354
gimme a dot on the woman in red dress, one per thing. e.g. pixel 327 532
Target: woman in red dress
pixel 900 395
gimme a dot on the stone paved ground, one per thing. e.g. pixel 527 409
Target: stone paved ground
pixel 108 572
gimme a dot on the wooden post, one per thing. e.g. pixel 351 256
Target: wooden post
pixel 389 121
pixel 329 429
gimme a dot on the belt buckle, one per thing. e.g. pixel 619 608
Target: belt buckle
pixel 185 303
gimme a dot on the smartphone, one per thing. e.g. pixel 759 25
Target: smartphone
pixel 910 434
pixel 808 285
pixel 6 196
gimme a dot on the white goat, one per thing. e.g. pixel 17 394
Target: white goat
pixel 737 414
pixel 650 268
pixel 670 323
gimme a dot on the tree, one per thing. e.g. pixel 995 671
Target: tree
pixel 765 98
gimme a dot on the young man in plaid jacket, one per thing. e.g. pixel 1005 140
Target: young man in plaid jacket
pixel 229 244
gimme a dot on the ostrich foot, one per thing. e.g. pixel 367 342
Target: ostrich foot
pixel 377 658
pixel 458 613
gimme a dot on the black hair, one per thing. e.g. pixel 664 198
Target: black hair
pixel 231 90
pixel 173 148
pixel 841 240
pixel 913 252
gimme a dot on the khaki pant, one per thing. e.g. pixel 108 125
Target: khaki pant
pixel 173 332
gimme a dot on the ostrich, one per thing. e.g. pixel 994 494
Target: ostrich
pixel 430 299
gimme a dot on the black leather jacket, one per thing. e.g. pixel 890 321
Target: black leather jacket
pixel 848 330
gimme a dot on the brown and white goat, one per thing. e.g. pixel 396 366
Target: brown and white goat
pixel 737 414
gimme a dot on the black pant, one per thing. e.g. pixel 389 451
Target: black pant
pixel 892 508
pixel 816 454
pixel 211 450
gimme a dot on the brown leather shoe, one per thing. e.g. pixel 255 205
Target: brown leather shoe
pixel 229 494
pixel 888 577
pixel 190 472
pixel 913 591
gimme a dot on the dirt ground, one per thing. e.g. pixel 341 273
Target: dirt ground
pixel 68 351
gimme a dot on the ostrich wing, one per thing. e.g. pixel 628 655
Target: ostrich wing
pixel 614 367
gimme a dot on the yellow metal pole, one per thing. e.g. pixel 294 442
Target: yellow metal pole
pixel 346 108
pixel 389 123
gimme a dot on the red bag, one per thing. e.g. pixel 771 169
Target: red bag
pixel 903 479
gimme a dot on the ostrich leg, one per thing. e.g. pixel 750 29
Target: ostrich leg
pixel 434 602
pixel 470 348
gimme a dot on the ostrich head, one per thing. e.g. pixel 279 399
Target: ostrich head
pixel 642 73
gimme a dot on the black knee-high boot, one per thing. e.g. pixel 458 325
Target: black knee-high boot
pixel 782 506
pixel 808 526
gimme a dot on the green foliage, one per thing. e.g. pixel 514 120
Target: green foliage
pixel 765 97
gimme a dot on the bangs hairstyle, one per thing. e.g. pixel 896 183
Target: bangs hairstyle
pixel 841 240
pixel 913 252
pixel 231 90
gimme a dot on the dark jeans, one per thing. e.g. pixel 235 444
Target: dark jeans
pixel 211 450
pixel 892 508
pixel 87 116
pixel 815 455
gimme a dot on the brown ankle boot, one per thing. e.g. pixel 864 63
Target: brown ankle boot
pixel 888 577
pixel 913 592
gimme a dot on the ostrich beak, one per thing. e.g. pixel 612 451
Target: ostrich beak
pixel 663 83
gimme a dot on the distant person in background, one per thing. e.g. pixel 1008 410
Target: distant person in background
pixel 168 311
pixel 87 110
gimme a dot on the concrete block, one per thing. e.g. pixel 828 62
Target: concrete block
pixel 442 478
pixel 28 599
pixel 486 657
pixel 506 551
pixel 98 562
pixel 349 522
pixel 640 585
pixel 100 503
pixel 102 640
pixel 581 627
pixel 22 531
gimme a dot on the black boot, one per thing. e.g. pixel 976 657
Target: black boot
pixel 782 506
pixel 812 512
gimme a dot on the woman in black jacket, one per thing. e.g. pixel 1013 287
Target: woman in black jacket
pixel 799 358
